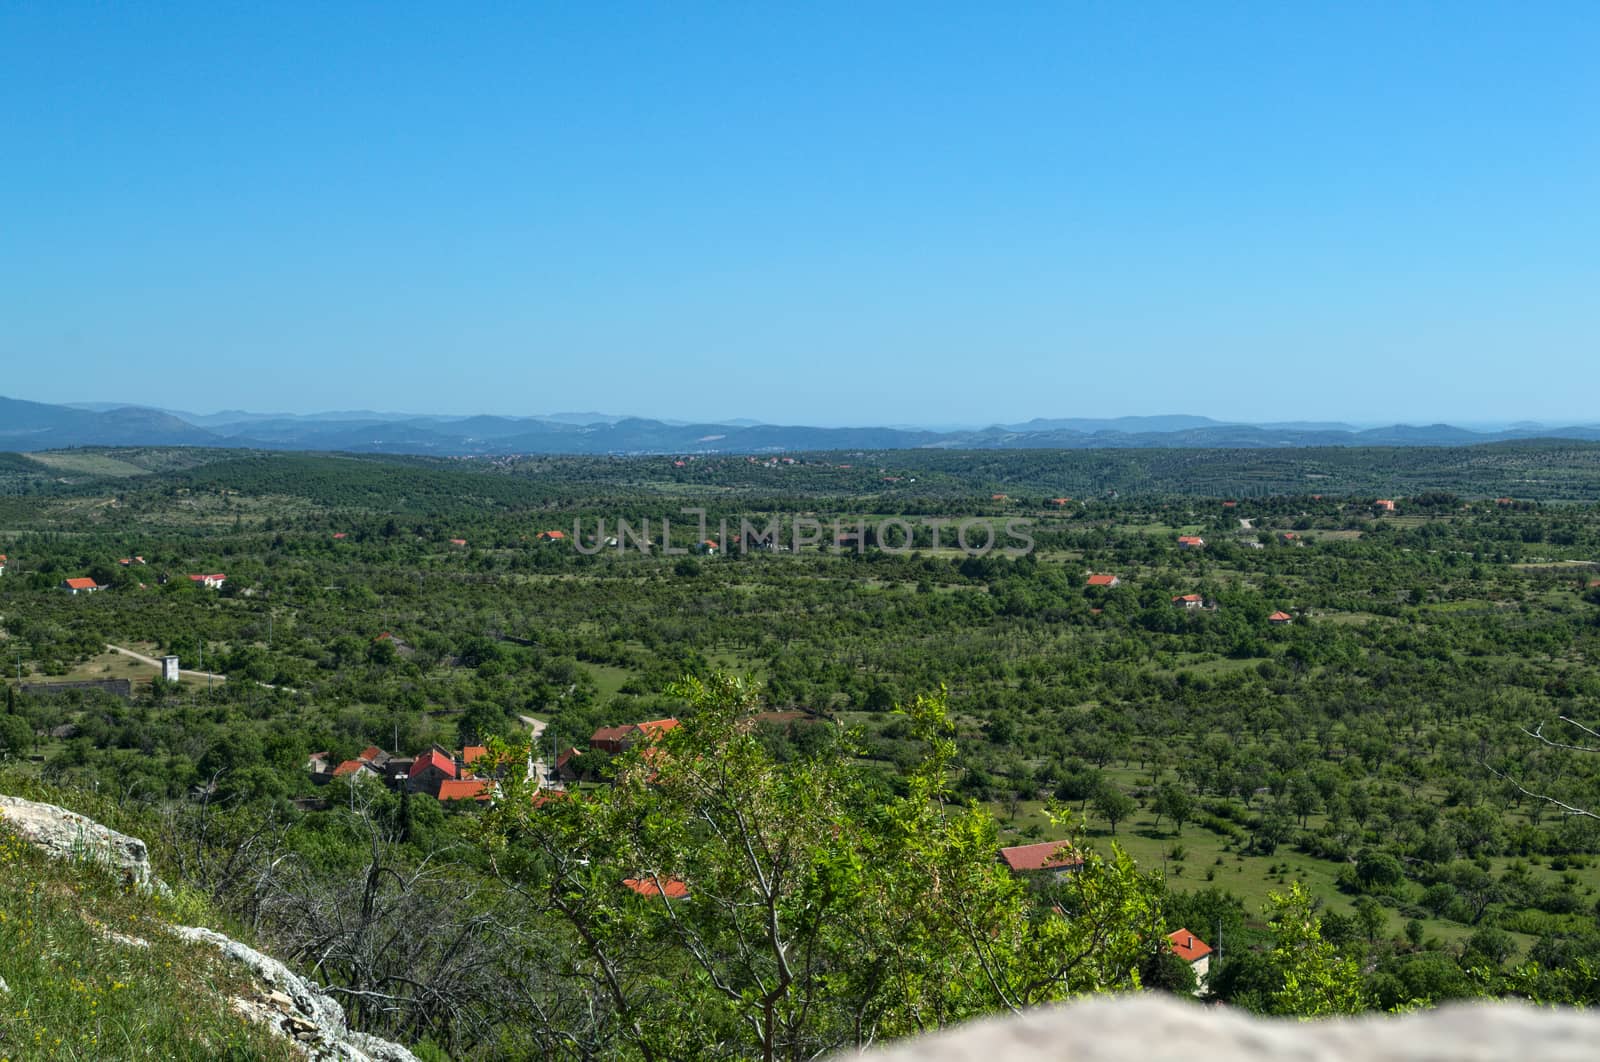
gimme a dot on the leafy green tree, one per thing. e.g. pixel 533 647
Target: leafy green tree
pixel 1174 802
pixel 1313 980
pixel 793 909
pixel 1113 804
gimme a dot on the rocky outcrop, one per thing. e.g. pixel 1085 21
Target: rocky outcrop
pixel 67 835
pixel 295 1007
pixel 1155 1028
pixel 307 1016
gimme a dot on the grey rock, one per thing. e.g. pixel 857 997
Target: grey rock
pixel 65 834
pixel 1153 1028
pixel 294 1006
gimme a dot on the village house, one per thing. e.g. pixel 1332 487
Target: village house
pixel 356 771
pixel 1056 857
pixel 1291 538
pixel 1191 542
pixel 1383 505
pixel 706 547
pixel 1104 580
pixel 1280 619
pixel 464 789
pixel 458 542
pixel 210 582
pixel 80 586
pixel 1060 503
pixel 552 536
pixel 2 563
pixel 1252 543
pixel 1190 601
pixel 1194 951
pixel 429 770
pixel 618 739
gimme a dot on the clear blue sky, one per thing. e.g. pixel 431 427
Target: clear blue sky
pixel 821 213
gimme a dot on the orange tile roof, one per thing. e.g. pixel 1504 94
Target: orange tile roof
pixel 1188 597
pixel 1102 580
pixel 1046 855
pixel 1188 947
pixel 82 584
pixel 473 753
pixel 434 758
pixel 672 888
pixel 1280 617
pixel 463 789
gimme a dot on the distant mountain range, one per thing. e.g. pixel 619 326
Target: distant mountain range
pixel 28 426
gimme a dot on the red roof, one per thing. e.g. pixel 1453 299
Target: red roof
pixel 339 534
pixel 1280 617
pixel 458 542
pixel 672 887
pixel 463 789
pixel 82 584
pixel 433 758
pixel 656 727
pixel 1102 580
pixel 610 733
pixel 553 535
pixel 1059 501
pixel 1188 597
pixel 203 578
pixel 1191 540
pixel 1229 504
pixel 347 767
pixel 1189 947
pixel 472 753
pixel 1046 855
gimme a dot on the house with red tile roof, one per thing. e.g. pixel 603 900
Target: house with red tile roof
pixel 464 789
pixel 2 563
pixel 340 534
pixel 458 542
pixel 1057 857
pixel 1191 542
pixel 356 770
pixel 1060 503
pixel 430 770
pixel 671 888
pixel 552 536
pixel 615 739
pixel 210 582
pixel 1190 601
pixel 1383 505
pixel 1192 950
pixel 1104 580
pixel 80 586
pixel 1280 618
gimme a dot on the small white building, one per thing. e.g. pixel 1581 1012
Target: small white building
pixel 169 669
pixel 1194 951
pixel 210 582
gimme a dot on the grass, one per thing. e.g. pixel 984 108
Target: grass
pixel 1249 877
pixel 77 992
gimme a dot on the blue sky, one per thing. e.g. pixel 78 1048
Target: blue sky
pixel 820 213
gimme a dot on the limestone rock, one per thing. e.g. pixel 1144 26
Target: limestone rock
pixel 1154 1028
pixel 65 834
pixel 295 1007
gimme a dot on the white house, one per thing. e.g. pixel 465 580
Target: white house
pixel 80 586
pixel 1194 951
pixel 210 582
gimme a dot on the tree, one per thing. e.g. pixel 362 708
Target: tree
pixel 1372 917
pixel 1313 980
pixel 1113 804
pixel 1173 801
pixel 794 908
